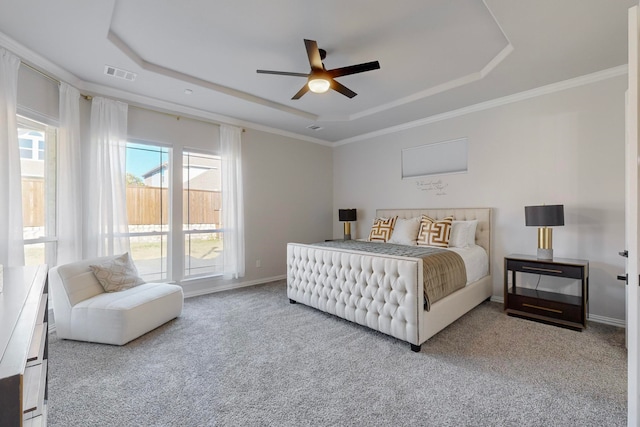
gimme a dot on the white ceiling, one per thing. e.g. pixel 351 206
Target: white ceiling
pixel 435 55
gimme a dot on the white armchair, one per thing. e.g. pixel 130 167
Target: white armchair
pixel 83 311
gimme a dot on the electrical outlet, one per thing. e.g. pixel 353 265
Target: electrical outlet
pixel 258 263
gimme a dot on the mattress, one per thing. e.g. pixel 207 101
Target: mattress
pixel 476 261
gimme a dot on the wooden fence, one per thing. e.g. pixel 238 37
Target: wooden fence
pixel 33 202
pixel 145 205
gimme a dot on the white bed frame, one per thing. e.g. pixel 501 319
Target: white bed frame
pixel 384 292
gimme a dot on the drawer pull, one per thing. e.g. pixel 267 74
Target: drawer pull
pixel 542 308
pixel 546 270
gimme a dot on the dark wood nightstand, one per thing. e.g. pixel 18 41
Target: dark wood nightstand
pixel 568 311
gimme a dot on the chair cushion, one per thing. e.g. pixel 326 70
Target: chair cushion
pixel 78 281
pixel 119 317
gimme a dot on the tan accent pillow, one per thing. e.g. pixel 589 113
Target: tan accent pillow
pixel 435 233
pixel 382 229
pixel 117 274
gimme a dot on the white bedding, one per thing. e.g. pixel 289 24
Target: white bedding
pixel 475 260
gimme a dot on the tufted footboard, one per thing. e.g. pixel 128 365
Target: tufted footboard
pixel 381 292
pixel 384 292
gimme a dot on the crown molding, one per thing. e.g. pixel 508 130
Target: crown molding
pixel 38 61
pixel 498 102
pixel 168 72
pixel 58 73
pixel 449 85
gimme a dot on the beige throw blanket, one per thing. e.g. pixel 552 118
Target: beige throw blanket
pixel 443 273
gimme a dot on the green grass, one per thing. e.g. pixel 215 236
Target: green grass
pixel 200 248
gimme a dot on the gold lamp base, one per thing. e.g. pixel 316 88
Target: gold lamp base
pixel 545 243
pixel 347 230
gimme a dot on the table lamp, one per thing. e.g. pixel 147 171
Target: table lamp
pixel 346 216
pixel 544 217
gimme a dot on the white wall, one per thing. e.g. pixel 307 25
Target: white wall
pixel 562 148
pixel 288 198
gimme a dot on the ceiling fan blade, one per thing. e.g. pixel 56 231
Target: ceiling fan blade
pixel 354 69
pixel 282 73
pixel 314 54
pixel 301 92
pixel 339 87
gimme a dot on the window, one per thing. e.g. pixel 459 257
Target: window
pixel 38 166
pixel 435 159
pixel 147 168
pixel 201 214
pixel 149 195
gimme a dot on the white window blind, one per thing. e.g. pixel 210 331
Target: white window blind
pixel 435 159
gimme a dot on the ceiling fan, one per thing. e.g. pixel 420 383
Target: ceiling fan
pixel 320 79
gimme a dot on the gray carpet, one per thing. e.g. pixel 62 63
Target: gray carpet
pixel 247 357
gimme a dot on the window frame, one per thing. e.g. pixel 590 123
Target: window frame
pixel 50 239
pixel 168 234
pixel 186 233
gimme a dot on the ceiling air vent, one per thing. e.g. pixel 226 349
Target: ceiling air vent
pixel 119 73
pixel 314 127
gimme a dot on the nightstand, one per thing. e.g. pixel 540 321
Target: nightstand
pixel 567 311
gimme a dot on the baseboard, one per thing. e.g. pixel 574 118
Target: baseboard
pixel 52 327
pixel 607 320
pixel 497 299
pixel 189 293
pixel 197 290
pixel 591 317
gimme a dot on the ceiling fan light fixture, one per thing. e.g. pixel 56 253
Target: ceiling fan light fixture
pixel 318 84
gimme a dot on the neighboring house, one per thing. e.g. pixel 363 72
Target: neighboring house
pixel 201 174
pixel 31 153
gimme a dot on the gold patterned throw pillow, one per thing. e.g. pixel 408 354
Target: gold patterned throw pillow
pixel 382 229
pixel 435 233
pixel 117 274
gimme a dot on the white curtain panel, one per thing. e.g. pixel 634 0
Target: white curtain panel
pixel 11 231
pixel 232 201
pixel 106 225
pixel 70 178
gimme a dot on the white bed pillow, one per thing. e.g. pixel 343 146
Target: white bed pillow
pixel 463 234
pixel 405 232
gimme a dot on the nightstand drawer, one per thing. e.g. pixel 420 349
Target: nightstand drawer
pixel 541 307
pixel 561 270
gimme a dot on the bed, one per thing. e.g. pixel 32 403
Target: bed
pixel 386 292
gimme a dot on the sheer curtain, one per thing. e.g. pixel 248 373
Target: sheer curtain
pixel 11 230
pixel 232 201
pixel 105 195
pixel 69 199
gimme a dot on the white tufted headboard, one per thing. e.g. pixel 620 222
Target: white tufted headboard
pixel 483 215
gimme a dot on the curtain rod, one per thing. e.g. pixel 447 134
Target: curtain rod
pixel 42 73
